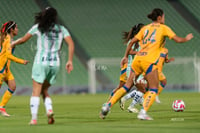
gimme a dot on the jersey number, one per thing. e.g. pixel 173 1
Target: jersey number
pixel 150 38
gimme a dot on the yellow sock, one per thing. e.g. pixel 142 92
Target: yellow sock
pixel 6 97
pixel 160 88
pixel 145 95
pixel 117 95
pixel 150 98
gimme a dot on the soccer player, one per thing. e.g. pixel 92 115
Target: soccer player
pixel 151 37
pixel 47 59
pixel 8 31
pixel 126 68
pixel 163 81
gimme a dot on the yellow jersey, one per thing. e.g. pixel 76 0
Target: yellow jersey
pixel 163 55
pixel 6 55
pixel 151 38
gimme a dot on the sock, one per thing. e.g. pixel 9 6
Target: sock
pixel 138 96
pixel 34 105
pixel 149 99
pixel 118 94
pixel 6 97
pixel 130 95
pixel 160 88
pixel 48 104
pixel 145 95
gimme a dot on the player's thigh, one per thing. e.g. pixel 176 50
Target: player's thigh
pixel 52 74
pixel 39 73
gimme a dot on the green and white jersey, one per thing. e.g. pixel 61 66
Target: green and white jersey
pixel 49 44
pixel 130 59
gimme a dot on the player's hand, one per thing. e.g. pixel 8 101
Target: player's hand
pixel 189 36
pixel 171 59
pixel 69 66
pixel 26 62
pixel 124 61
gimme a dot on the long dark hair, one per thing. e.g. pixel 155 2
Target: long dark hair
pixel 46 19
pixel 155 13
pixel 5 29
pixel 133 31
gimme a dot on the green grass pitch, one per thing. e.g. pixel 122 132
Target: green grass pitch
pixel 80 114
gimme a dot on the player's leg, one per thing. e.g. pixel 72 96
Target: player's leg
pixel 10 81
pixel 163 82
pixel 152 79
pixel 47 102
pixel 119 93
pixel 35 101
pixel 122 78
pixel 136 94
pixel 138 98
pixel 38 77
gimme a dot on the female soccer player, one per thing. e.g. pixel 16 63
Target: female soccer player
pixel 47 60
pixel 8 31
pixel 126 68
pixel 151 37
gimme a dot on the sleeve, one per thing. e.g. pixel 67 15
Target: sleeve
pixel 9 53
pixel 65 32
pixel 33 30
pixel 139 35
pixel 168 32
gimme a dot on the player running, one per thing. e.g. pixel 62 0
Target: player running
pixel 50 35
pixel 8 31
pixel 151 37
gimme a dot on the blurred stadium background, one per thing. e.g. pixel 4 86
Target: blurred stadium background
pixel 96 27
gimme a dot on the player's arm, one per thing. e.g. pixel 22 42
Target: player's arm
pixel 125 58
pixel 69 64
pixel 21 40
pixel 132 52
pixel 12 57
pixel 182 40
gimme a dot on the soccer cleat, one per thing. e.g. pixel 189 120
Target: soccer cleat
pixel 144 116
pixel 132 109
pixel 157 100
pixel 104 111
pixel 50 115
pixel 33 122
pixel 122 103
pixel 3 112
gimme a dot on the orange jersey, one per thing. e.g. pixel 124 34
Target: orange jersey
pixel 163 55
pixel 6 55
pixel 151 38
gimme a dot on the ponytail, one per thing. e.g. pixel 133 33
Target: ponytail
pixel 155 13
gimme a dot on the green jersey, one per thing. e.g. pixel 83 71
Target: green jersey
pixel 49 44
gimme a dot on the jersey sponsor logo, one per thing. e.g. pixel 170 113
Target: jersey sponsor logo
pixel 49 59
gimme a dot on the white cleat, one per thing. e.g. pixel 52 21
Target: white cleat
pixel 122 103
pixel 132 110
pixel 157 100
pixel 104 111
pixel 142 116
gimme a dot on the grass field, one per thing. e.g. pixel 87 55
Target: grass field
pixel 79 114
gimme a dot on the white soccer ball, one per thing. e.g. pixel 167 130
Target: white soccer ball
pixel 178 106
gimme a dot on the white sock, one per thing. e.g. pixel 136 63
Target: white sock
pixel 137 98
pixel 130 95
pixel 34 105
pixel 48 104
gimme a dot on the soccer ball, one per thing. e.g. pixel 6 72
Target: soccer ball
pixel 178 106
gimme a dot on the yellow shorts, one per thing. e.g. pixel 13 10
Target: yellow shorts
pixel 6 76
pixel 141 66
pixel 161 76
pixel 123 75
